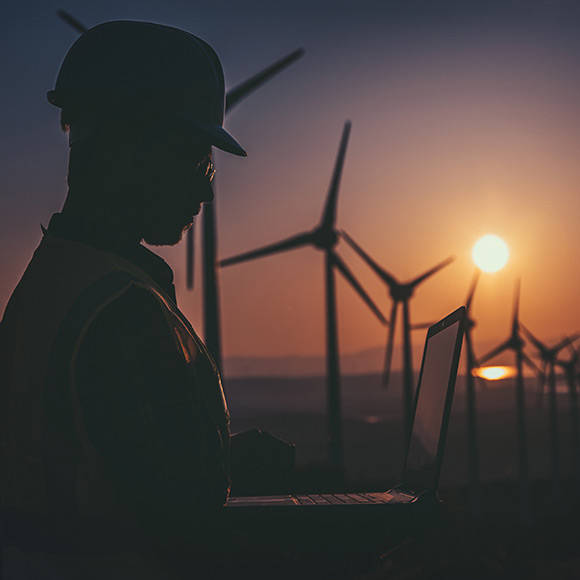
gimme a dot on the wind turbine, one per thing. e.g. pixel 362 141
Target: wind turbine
pixel 211 312
pixel 549 357
pixel 570 368
pixel 324 237
pixel 400 293
pixel 516 344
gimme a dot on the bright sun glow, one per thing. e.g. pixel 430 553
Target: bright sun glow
pixel 490 253
pixel 494 373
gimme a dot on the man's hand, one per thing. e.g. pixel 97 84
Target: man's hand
pixel 260 463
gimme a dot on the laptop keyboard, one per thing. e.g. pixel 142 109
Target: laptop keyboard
pixel 354 498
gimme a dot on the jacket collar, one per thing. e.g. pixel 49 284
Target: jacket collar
pixel 82 229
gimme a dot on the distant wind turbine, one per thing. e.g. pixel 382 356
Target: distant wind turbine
pixel 570 368
pixel 399 293
pixel 549 357
pixel 324 237
pixel 516 344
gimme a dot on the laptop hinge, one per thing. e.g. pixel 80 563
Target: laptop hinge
pixel 410 490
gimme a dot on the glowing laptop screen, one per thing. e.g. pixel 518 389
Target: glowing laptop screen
pixel 428 419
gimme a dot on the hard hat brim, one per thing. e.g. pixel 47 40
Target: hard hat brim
pixel 220 138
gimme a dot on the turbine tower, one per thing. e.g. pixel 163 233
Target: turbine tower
pixel 211 312
pixel 324 237
pixel 549 357
pixel 570 368
pixel 471 364
pixel 400 293
pixel 516 344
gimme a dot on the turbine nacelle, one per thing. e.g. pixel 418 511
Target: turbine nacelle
pixel 516 343
pixel 401 292
pixel 324 239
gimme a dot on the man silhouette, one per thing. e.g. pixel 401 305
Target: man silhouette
pixel 115 440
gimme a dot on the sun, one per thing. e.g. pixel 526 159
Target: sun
pixel 490 253
pixel 495 373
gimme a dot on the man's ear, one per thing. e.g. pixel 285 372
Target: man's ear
pixel 120 147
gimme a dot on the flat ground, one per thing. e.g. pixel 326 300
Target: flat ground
pixel 498 545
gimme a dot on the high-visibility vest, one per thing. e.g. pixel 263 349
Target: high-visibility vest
pixel 65 287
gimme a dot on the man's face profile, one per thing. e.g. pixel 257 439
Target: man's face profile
pixel 169 180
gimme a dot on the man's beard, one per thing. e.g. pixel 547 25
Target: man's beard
pixel 165 234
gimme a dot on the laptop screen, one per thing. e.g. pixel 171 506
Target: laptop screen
pixel 431 399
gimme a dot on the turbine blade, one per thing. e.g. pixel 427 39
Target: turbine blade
pixel 71 21
pixel 287 244
pixel 499 349
pixel 539 345
pixel 516 303
pixel 235 95
pixel 381 272
pixel 542 383
pixel 472 288
pixel 337 261
pixel 568 340
pixel 190 257
pixel 531 364
pixel 574 353
pixel 470 353
pixel 421 325
pixel 432 271
pixel 389 351
pixel 329 215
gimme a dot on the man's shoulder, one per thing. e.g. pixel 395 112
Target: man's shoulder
pixel 64 275
pixel 68 267
pixel 61 257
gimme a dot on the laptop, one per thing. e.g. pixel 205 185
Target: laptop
pixel 425 446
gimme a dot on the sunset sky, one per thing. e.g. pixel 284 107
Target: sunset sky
pixel 465 121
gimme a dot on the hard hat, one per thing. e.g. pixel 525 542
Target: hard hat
pixel 122 63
